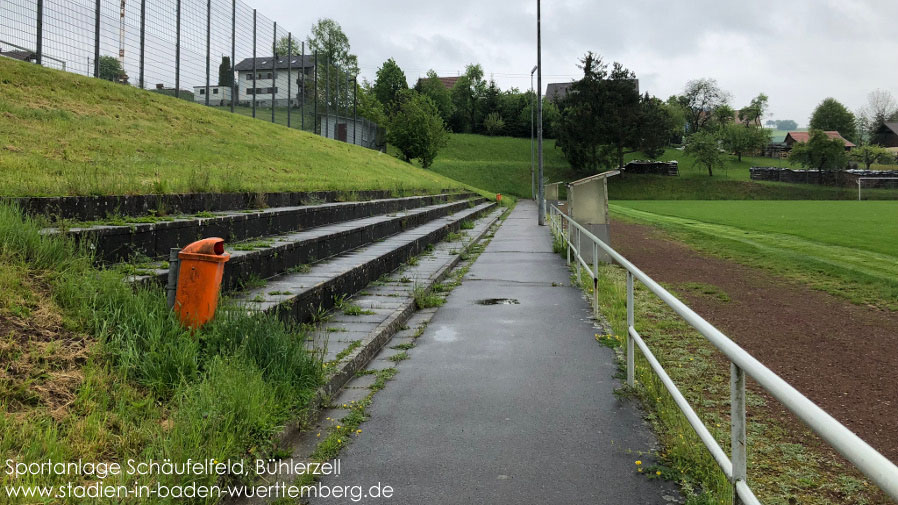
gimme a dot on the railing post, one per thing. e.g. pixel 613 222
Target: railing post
pixel 631 321
pixel 255 41
pixel 355 108
pixel 302 88
pixel 567 242
pixel 737 427
pixel 274 69
pixel 289 77
pixel 97 40
pixel 315 96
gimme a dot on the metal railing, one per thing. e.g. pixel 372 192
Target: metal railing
pixel 866 459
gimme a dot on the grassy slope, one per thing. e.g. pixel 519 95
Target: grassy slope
pixel 64 134
pixel 500 164
pixel 845 248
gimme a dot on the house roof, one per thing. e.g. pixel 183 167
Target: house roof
pixel 893 127
pixel 448 82
pixel 557 90
pixel 265 63
pixel 803 137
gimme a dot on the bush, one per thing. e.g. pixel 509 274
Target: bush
pixel 494 124
pixel 417 129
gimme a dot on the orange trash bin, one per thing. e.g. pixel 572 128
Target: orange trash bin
pixel 199 281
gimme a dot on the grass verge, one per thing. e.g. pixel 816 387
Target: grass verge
pixel 97 371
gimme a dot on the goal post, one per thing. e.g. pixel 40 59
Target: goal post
pixel 891 184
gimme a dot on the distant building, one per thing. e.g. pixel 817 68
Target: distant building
pixel 28 56
pixel 218 95
pixel 272 77
pixel 886 135
pixel 448 82
pixel 801 137
pixel 557 90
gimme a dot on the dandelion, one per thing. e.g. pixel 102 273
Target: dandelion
pixel 318 435
pixel 338 426
pixel 339 440
pixel 358 431
pixel 658 473
pixel 638 462
pixel 344 405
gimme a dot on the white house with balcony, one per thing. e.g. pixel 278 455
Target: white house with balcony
pixel 267 76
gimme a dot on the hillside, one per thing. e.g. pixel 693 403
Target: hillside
pixel 501 164
pixel 64 134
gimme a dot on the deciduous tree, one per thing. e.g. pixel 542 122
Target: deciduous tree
pixel 870 154
pixel 831 115
pixel 700 98
pixel 389 82
pixel 704 147
pixel 740 139
pixel 417 129
pixel 820 152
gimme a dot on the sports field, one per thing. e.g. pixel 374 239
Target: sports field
pixel 846 248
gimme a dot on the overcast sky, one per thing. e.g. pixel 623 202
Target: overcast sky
pixel 797 52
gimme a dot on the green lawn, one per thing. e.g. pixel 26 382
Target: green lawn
pixel 846 248
pixel 64 134
pixel 500 164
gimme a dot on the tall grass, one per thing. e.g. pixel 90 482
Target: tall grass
pixel 151 388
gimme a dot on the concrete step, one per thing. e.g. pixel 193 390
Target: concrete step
pixel 269 256
pixel 393 302
pixel 136 237
pixel 300 296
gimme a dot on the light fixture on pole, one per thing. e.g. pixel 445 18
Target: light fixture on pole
pixel 532 154
pixel 541 201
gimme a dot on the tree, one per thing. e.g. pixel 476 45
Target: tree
pixel 656 126
pixel 434 89
pixel 225 72
pixel 467 96
pixel 754 111
pixel 700 98
pixel 881 108
pixel 704 147
pixel 740 139
pixel 493 124
pixel 369 107
pixel 389 82
pixel 286 46
pixel 332 44
pixel 870 154
pixel 786 124
pixel 416 128
pixel 722 116
pixel 111 69
pixel 831 115
pixel 820 152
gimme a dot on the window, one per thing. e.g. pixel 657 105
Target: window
pixel 202 91
pixel 250 91
pixel 215 91
pixel 249 76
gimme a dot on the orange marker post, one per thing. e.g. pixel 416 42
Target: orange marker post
pixel 199 281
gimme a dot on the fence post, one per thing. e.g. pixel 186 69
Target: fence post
pixel 631 321
pixel 39 42
pixel 254 63
pixel 737 427
pixel 595 277
pixel 233 55
pixel 289 76
pixel 143 39
pixel 355 108
pixel 274 69
pixel 177 50
pixel 208 47
pixel 315 105
pixel 327 96
pixel 97 40
pixel 302 88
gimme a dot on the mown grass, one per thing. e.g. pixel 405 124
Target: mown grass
pixel 64 134
pixel 786 463
pixel 145 388
pixel 844 248
pixel 501 164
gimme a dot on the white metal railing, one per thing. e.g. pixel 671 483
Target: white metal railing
pixel 871 463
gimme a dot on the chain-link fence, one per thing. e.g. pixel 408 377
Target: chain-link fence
pixel 219 53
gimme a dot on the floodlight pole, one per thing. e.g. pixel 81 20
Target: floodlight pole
pixel 541 202
pixel 532 137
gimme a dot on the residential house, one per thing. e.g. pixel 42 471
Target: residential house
pixel 886 136
pixel 558 90
pixel 272 76
pixel 801 137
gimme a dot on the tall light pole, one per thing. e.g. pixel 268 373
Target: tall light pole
pixel 532 135
pixel 541 202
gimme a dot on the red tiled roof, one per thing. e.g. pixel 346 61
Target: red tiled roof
pixel 803 137
pixel 448 82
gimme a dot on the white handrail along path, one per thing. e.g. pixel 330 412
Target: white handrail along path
pixel 870 462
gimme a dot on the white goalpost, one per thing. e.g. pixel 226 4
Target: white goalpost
pixel 860 183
